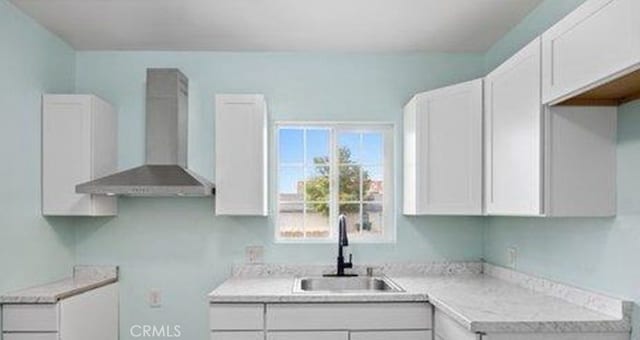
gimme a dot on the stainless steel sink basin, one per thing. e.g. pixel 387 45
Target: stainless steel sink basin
pixel 363 284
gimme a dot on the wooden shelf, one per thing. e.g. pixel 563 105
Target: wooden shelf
pixel 614 93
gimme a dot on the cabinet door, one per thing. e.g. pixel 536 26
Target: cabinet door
pixel 340 335
pixel 79 144
pixel 443 151
pixel 233 317
pixel 597 40
pixel 352 316
pixel 30 318
pixel 91 315
pixel 580 161
pixel 446 328
pixel 513 127
pixel 241 155
pixel 395 335
pixel 66 154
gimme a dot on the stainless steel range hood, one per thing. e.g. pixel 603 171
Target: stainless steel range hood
pixel 165 172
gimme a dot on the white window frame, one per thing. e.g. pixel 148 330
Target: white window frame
pixel 388 203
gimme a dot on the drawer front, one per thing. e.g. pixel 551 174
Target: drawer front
pixel 351 316
pixel 308 336
pixel 448 329
pixel 236 317
pixel 398 335
pixel 30 318
pixel 237 336
pixel 31 336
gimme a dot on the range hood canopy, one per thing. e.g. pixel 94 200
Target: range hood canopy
pixel 165 172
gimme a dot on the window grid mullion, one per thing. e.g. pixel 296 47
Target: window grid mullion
pixel 334 183
pixel 361 206
pixel 304 183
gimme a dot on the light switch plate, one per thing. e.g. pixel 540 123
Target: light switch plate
pixel 154 298
pixel 254 254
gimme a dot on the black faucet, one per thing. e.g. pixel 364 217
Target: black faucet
pixel 343 241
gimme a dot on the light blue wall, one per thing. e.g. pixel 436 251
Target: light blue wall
pixel 32 61
pixel 178 245
pixel 542 17
pixel 601 254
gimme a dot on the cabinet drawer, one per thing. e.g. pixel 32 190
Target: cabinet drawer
pixel 352 316
pixel 31 336
pixel 237 336
pixel 448 329
pixel 30 318
pixel 398 335
pixel 308 336
pixel 236 317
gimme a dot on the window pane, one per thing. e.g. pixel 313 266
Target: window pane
pixel 372 218
pixel 352 212
pixel 349 147
pixel 317 189
pixel 291 184
pixel 291 220
pixel 317 220
pixel 317 146
pixel 349 183
pixel 372 183
pixel 372 150
pixel 291 146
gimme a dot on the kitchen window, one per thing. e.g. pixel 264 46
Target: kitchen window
pixel 324 170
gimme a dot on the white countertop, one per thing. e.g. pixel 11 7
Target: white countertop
pixel 84 278
pixel 480 302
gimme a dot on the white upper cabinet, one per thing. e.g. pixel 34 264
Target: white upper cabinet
pixel 580 161
pixel 443 151
pixel 79 144
pixel 596 43
pixel 513 132
pixel 545 161
pixel 241 155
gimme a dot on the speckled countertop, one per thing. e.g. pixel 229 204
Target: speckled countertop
pixel 84 278
pixel 482 298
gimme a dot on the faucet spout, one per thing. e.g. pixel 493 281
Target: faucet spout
pixel 343 241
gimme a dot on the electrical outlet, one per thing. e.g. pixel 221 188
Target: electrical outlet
pixel 512 257
pixel 254 254
pixel 154 298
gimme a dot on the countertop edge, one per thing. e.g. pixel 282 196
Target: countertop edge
pixel 84 279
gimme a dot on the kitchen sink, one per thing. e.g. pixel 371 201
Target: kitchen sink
pixel 364 284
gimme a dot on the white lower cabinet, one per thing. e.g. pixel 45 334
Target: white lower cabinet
pixel 31 336
pixel 90 315
pixel 446 328
pixel 351 316
pixel 321 321
pixel 237 335
pixel 236 317
pixel 315 335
